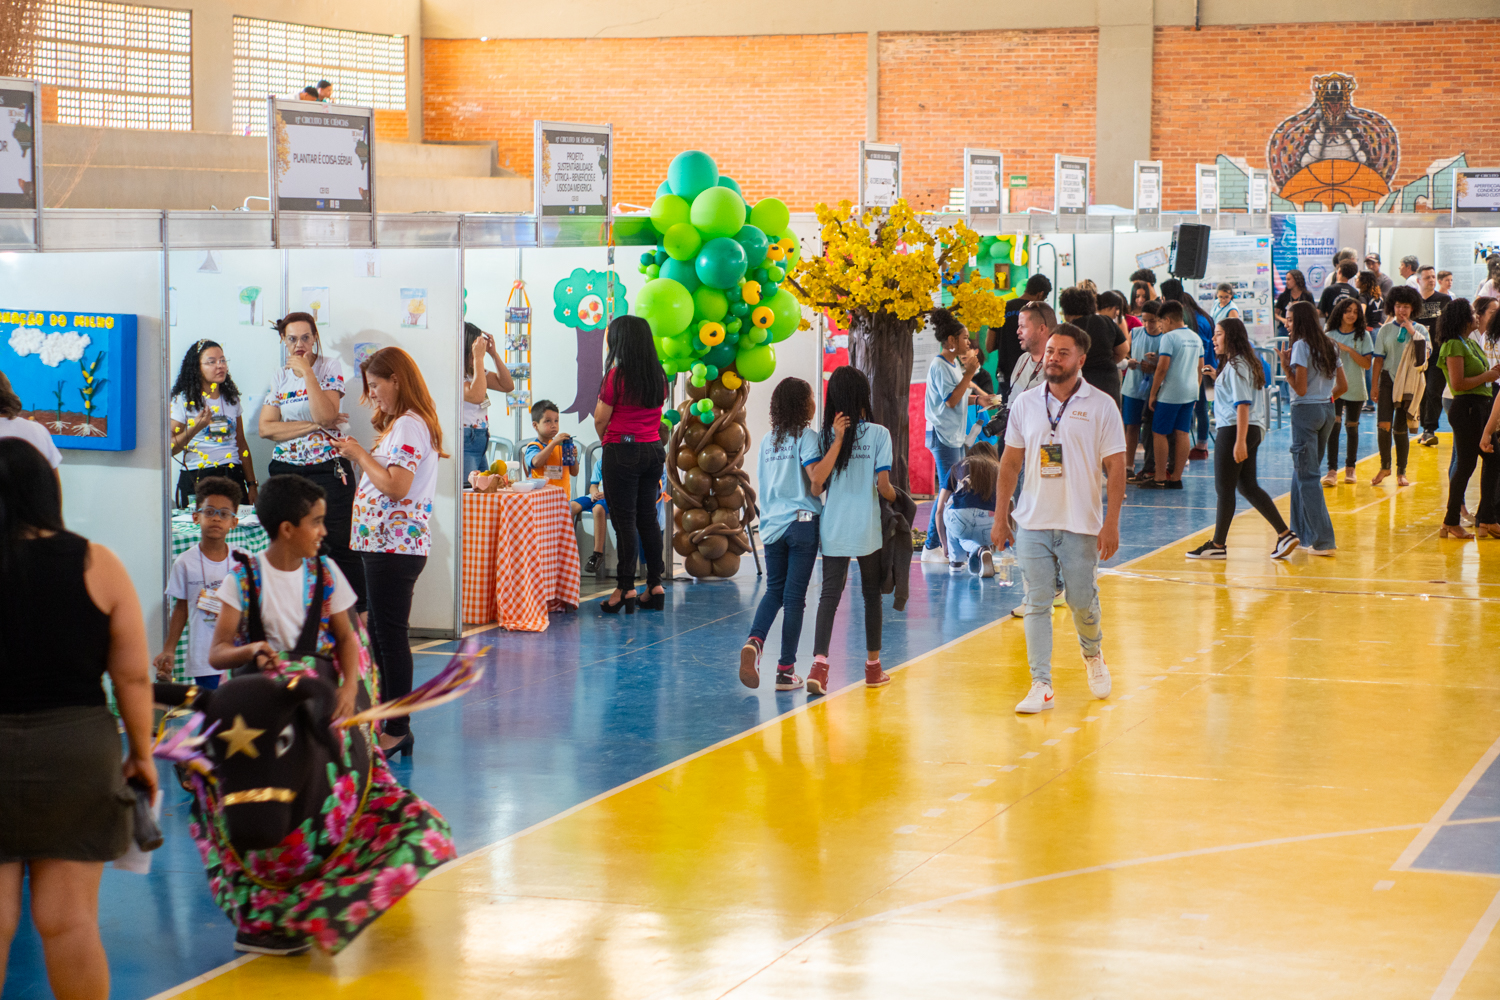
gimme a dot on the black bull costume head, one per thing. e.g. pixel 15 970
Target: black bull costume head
pixel 271 747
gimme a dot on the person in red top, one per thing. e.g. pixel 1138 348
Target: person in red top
pixel 628 419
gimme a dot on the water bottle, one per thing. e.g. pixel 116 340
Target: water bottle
pixel 1005 567
pixel 569 452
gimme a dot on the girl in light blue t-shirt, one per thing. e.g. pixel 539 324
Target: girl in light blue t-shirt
pixel 853 473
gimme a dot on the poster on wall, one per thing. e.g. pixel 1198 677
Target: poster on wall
pixel 1147 186
pixel 1476 191
pixel 572 168
pixel 317 303
pixel 879 174
pixel 322 157
pixel 414 308
pixel 74 373
pixel 1306 242
pixel 20 142
pixel 1070 185
pixel 1463 251
pixel 982 171
pixel 1243 263
pixel 1207 187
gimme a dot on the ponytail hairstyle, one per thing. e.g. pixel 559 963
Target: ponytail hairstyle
pixel 1237 346
pixel 411 393
pixel 190 378
pixel 849 394
pixel 789 406
pixel 1336 317
pixel 30 499
pixel 1305 327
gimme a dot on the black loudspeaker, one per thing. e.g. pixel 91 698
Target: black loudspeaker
pixel 1189 250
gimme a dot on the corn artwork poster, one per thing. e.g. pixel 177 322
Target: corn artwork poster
pixel 74 373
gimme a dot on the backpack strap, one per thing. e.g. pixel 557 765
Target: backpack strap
pixel 312 623
pixel 255 629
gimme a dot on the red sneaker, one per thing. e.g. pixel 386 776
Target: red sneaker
pixel 750 663
pixel 1197 454
pixel 817 678
pixel 874 676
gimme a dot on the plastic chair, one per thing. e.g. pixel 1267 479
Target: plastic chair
pixel 1269 359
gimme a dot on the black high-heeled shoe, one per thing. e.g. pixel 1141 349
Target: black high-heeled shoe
pixel 651 602
pixel 625 601
pixel 406 746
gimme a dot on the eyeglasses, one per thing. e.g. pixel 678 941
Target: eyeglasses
pixel 216 514
pixel 214 364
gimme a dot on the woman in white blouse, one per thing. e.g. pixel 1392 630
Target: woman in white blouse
pixel 208 430
pixel 392 511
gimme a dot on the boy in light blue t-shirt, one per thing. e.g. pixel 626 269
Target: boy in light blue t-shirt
pixel 1174 392
pixel 950 376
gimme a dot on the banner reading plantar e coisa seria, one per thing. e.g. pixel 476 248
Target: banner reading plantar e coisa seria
pixel 1304 242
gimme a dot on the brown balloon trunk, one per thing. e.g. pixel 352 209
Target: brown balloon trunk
pixel 710 487
pixel 881 347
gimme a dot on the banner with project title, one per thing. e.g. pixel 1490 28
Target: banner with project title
pixel 1305 242
pixel 322 158
pixel 1243 263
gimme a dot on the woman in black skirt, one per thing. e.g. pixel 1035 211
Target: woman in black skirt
pixel 68 615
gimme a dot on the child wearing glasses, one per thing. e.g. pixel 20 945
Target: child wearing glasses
pixel 194 582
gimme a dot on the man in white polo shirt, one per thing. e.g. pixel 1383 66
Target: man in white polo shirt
pixel 1068 437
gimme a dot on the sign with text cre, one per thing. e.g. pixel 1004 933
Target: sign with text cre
pixel 879 174
pixel 572 169
pixel 322 157
pixel 983 169
pixel 1070 185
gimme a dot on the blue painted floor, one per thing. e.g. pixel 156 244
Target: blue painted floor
pixel 593 702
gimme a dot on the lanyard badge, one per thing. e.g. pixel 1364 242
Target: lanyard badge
pixel 1052 454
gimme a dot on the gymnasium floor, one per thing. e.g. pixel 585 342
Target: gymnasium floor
pixel 1290 792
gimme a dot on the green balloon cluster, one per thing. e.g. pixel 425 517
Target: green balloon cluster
pixel 713 294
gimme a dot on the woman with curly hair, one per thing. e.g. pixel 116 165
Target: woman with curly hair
pixel 1316 379
pixel 1392 406
pixel 208 430
pixel 789 513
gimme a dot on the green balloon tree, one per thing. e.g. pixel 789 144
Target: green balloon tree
pixel 716 306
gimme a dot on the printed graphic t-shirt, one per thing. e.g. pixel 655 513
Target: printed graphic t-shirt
pixel 399 526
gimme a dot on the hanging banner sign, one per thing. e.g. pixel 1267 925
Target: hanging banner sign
pixel 1306 241
pixel 1476 191
pixel 1070 185
pixel 1147 185
pixel 983 169
pixel 879 174
pixel 1465 252
pixel 20 144
pixel 572 169
pixel 322 157
pixel 1260 191
pixel 1207 187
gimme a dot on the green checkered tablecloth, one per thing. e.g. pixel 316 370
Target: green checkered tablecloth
pixel 247 536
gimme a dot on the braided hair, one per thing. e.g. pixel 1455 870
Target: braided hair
pixel 190 377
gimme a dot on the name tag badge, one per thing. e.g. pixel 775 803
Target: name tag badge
pixel 209 602
pixel 554 472
pixel 1052 460
pixel 804 516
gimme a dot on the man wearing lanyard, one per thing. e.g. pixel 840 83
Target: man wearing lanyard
pixel 1067 436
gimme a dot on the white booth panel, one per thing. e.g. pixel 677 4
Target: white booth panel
pixel 1140 249
pixel 111 497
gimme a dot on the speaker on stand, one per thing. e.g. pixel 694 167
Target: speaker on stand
pixel 1189 250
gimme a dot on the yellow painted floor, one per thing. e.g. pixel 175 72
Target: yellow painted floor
pixel 1225 825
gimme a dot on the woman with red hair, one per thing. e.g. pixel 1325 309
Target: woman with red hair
pixel 391 513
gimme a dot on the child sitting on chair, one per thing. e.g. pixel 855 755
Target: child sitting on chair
pixel 552 456
pixel 593 500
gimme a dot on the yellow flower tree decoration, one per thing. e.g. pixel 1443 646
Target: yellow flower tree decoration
pixel 880 275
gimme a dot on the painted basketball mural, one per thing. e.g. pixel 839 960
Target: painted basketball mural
pixel 1332 152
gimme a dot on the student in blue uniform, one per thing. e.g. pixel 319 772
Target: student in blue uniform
pixel 950 378
pixel 1174 393
pixel 789 528
pixel 855 467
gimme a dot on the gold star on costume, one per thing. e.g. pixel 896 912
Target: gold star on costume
pixel 240 737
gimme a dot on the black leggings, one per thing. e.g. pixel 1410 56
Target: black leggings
pixel 1346 412
pixel 1468 417
pixel 1388 411
pixel 1230 475
pixel 632 482
pixel 835 572
pixel 390 579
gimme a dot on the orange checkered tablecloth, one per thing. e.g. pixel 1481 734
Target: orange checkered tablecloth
pixel 520 558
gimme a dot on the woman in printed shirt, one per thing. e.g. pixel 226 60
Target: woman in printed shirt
pixel 301 414
pixel 208 431
pixel 391 514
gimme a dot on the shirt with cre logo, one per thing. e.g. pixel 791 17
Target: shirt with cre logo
pixel 1234 385
pixel 784 487
pixel 399 526
pixel 1089 432
pixel 1180 384
pixel 851 506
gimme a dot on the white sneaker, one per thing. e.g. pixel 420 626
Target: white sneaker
pixel 986 563
pixel 934 555
pixel 1039 699
pixel 1099 682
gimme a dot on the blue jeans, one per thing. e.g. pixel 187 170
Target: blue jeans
pixel 968 531
pixel 1044 556
pixel 945 457
pixel 476 441
pixel 789 565
pixel 1312 425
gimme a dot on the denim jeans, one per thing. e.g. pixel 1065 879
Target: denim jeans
pixel 789 565
pixel 1312 425
pixel 476 442
pixel 945 458
pixel 1044 556
pixel 968 531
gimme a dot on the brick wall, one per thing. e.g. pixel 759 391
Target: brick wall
pixel 391 125
pixel 1029 94
pixel 1224 89
pixel 780 113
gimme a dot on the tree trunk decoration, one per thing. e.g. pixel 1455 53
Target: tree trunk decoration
pixel 705 466
pixel 881 347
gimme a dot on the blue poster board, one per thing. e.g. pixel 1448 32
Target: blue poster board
pixel 75 374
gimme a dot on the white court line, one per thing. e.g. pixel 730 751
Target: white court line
pixel 200 980
pixel 1470 951
pixel 1419 843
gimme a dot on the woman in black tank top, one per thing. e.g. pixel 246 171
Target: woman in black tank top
pixel 68 615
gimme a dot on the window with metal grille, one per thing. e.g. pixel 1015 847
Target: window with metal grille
pixel 115 64
pixel 275 58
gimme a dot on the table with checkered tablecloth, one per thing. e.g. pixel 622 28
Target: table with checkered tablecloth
pixel 247 536
pixel 520 558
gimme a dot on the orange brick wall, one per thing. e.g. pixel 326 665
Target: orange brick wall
pixel 1029 94
pixel 780 113
pixel 1224 89
pixel 391 125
